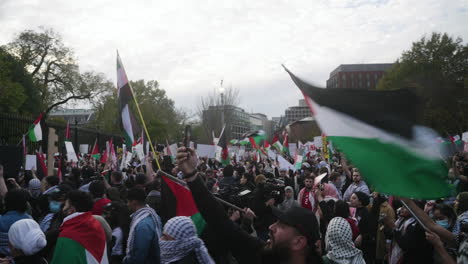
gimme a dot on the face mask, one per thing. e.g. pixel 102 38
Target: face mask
pixel 443 223
pixel 54 206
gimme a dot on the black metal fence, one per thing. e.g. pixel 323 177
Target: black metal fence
pixel 13 126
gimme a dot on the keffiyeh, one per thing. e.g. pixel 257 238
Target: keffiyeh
pixel 139 215
pixel 339 243
pixel 182 229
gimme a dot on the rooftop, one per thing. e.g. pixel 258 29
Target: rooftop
pixel 361 67
pixel 61 112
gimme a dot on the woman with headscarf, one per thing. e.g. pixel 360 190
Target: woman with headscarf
pixel 26 239
pixel 180 244
pixel 339 244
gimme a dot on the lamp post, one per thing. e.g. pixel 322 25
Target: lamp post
pixel 221 90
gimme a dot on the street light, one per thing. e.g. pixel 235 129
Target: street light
pixel 222 90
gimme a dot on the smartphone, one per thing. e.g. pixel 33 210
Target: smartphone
pixel 187 135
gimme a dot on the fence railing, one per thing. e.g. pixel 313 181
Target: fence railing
pixel 13 126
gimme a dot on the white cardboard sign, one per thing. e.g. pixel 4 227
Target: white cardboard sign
pixel 71 154
pixel 31 162
pixel 84 148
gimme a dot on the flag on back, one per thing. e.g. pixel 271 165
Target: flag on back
pixel 35 131
pixel 125 94
pixel 377 132
pixel 178 201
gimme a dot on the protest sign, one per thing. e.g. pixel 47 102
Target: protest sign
pixel 84 148
pixel 71 154
pixel 31 162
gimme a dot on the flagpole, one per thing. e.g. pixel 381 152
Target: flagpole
pixel 144 124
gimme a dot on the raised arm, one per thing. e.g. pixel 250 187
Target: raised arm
pixel 443 233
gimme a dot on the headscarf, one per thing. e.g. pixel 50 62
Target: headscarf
pixel 34 187
pixel 27 235
pixel 339 243
pixel 182 229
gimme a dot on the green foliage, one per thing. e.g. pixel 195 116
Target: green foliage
pixel 436 69
pixel 53 69
pixel 15 86
pixel 163 121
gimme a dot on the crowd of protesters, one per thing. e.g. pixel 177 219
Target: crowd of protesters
pixel 323 212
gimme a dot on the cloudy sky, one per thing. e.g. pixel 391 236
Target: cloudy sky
pixel 190 45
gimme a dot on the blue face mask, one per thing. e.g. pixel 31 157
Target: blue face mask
pixel 54 206
pixel 443 223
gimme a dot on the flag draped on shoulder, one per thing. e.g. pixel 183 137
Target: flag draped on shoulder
pixel 35 131
pixel 81 240
pixel 125 95
pixel 378 133
pixel 178 201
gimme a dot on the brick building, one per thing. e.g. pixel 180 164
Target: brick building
pixel 357 76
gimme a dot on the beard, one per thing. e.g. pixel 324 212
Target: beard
pixel 276 253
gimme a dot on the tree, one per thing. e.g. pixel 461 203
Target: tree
pixel 162 119
pixel 53 68
pixel 436 69
pixel 211 120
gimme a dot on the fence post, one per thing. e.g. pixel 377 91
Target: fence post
pixel 77 147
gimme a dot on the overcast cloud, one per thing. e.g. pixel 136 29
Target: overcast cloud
pixel 189 46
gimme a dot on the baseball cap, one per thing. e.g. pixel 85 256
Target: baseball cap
pixel 302 219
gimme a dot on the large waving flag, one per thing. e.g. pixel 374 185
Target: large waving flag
pixel 377 132
pixel 277 144
pixel 128 124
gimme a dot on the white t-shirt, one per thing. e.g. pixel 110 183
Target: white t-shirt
pixel 117 250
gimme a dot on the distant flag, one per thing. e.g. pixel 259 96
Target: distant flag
pixel 266 145
pixel 285 142
pixel 41 158
pixel 125 96
pixel 35 131
pixel 67 132
pixel 258 136
pixel 95 152
pixel 277 144
pixel 378 132
pixel 223 148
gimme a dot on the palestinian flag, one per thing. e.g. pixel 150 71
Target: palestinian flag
pixel 177 200
pixel 124 91
pixel 456 140
pixel 81 240
pixel 222 149
pixel 277 144
pixel 42 163
pixel 258 136
pixel 95 152
pixel 377 131
pixel 244 141
pixel 67 132
pixel 285 143
pixel 35 131
pixel 266 145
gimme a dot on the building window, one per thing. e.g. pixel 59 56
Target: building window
pixel 368 84
pixel 375 76
pixel 367 76
pixel 360 76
